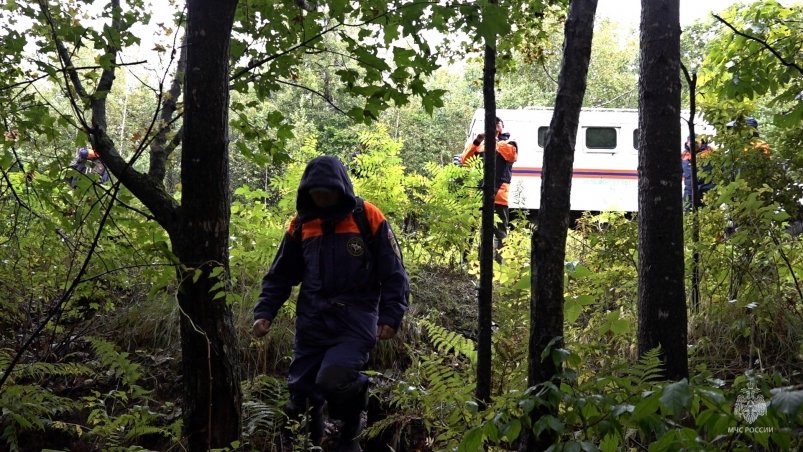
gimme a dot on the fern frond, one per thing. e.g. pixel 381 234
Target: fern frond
pixel 41 370
pixel 27 408
pixel 446 341
pixel 116 361
pixel 648 368
pixel 260 416
pixel 445 381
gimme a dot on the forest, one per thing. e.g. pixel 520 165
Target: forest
pixel 130 272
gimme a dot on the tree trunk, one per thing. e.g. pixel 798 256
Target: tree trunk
pixel 210 358
pixel 662 314
pixel 485 294
pixel 549 240
pixel 691 79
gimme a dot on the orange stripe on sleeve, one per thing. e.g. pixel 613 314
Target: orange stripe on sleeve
pixel 470 151
pixel 374 215
pixel 507 151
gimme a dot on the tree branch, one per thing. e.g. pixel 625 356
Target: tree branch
pixel 257 63
pixel 762 42
pixel 317 93
pixel 81 68
pixel 67 68
pixel 163 206
pixel 160 149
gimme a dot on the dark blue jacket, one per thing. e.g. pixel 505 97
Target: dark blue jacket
pixel 348 286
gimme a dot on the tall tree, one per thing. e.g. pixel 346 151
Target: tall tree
pixel 208 342
pixel 485 294
pixel 549 240
pixel 198 227
pixel 662 313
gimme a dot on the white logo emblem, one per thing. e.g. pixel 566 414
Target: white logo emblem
pixel 750 404
pixel 355 247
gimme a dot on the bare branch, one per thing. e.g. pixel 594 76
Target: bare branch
pixel 546 72
pixel 257 63
pixel 68 293
pixel 317 93
pixel 160 150
pixel 67 68
pixel 80 68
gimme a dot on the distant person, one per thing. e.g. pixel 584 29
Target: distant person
pixel 354 292
pixel 748 160
pixel 506 154
pixel 87 161
pixel 755 143
pixel 704 183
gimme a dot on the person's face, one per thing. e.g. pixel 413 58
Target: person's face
pixel 324 198
pixel 500 126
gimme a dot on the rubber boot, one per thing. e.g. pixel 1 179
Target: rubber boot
pixel 350 435
pixel 351 430
pixel 316 426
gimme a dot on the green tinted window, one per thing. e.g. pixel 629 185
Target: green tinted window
pixel 601 138
pixel 542 136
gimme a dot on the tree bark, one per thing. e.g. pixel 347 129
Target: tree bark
pixel 662 317
pixel 485 294
pixel 549 240
pixel 210 359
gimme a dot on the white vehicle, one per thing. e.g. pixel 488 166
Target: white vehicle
pixel 605 160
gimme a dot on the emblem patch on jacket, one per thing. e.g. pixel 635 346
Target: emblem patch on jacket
pixel 355 246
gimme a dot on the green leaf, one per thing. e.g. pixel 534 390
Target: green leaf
pixel 676 396
pixel 573 306
pixel 647 406
pixel 494 23
pixel 610 443
pixel 548 422
pixel 511 431
pixel 788 402
pixel 216 271
pixel 472 441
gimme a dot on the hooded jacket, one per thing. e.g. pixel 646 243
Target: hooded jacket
pixel 348 286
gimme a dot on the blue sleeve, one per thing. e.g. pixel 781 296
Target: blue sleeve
pixel 285 272
pixel 395 286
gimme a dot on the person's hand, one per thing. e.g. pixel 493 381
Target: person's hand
pixel 261 327
pixel 479 139
pixel 384 332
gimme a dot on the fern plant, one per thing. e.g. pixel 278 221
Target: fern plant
pixel 25 401
pixel 436 392
pixel 121 415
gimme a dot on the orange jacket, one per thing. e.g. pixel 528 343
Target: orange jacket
pixel 506 154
